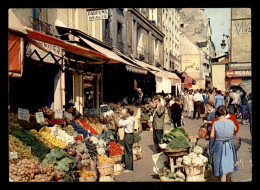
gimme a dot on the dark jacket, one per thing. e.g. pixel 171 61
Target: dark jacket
pixel 176 111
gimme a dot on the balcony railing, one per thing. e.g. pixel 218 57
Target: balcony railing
pixel 41 26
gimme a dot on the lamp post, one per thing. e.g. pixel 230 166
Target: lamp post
pixel 223 44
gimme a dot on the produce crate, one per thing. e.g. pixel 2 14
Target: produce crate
pixel 107 170
pixel 103 164
pixel 117 159
pixel 90 178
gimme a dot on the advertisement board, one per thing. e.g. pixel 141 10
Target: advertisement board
pixel 191 65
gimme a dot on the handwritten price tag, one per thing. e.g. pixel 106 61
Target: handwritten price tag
pixel 193 140
pixel 23 114
pixel 39 117
pixel 13 155
pixel 58 114
pixel 94 112
pixel 105 108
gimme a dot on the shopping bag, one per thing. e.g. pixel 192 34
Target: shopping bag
pixel 237 141
pixel 202 132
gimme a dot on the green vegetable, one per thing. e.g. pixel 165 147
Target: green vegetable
pixel 178 143
pixel 38 148
pixel 137 137
pixel 58 153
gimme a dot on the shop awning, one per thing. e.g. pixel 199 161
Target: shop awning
pixel 114 58
pixel 174 78
pixel 246 85
pixel 188 79
pixel 66 45
pixel 14 24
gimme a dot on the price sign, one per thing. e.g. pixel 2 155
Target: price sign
pixel 58 114
pixel 39 117
pixel 105 108
pixel 23 114
pixel 94 112
pixel 13 155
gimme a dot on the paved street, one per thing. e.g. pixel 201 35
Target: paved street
pixel 143 169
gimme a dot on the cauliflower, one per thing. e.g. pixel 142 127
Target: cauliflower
pixel 186 160
pixel 203 158
pixel 198 150
pixel 196 161
pixel 192 155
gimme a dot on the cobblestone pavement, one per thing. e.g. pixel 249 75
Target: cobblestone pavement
pixel 143 168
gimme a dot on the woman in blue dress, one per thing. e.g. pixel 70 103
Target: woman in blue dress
pixel 224 154
pixel 219 99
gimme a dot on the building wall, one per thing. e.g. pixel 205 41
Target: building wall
pixel 218 77
pixel 241 35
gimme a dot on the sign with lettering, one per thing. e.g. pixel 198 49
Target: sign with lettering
pixel 13 155
pixel 23 114
pixel 105 108
pixel 58 114
pixel 243 73
pixel 94 112
pixel 98 14
pixel 39 117
pixel 191 64
pixel 50 47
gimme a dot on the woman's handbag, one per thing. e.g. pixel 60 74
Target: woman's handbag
pixel 237 141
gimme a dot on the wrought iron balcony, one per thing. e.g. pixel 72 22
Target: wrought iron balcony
pixel 41 26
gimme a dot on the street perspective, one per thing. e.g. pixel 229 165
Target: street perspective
pixel 129 95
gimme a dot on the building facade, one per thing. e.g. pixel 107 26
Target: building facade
pixel 240 48
pixel 196 26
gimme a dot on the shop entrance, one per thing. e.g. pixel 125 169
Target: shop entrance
pixel 68 86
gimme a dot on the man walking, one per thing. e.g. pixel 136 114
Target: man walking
pixel 197 99
pixel 158 123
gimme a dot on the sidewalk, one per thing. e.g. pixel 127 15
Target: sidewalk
pixel 143 168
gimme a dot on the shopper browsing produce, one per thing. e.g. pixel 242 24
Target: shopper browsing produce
pixel 128 124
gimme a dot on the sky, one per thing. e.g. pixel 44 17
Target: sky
pixel 220 23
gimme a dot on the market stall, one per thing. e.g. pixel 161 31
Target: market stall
pixel 49 150
pixel 181 158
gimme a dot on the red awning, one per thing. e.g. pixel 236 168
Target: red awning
pixel 188 79
pixel 66 45
pixel 15 55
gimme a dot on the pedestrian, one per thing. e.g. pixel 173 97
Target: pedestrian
pixel 211 96
pixel 236 102
pixel 176 113
pixel 250 111
pixel 68 117
pixel 223 150
pixel 219 99
pixel 128 124
pixel 197 99
pixel 120 113
pixel 158 123
pixel 227 99
pixel 185 102
pixel 244 109
pixel 205 96
pixel 125 100
pixel 190 104
pixel 211 114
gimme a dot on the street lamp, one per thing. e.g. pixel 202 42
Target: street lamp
pixel 223 44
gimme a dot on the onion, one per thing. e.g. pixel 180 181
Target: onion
pixel 78 157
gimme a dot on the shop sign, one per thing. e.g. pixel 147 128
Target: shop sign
pixel 98 14
pixel 58 114
pixel 94 111
pixel 243 73
pixel 13 155
pixel 39 117
pixel 23 114
pixel 48 59
pixel 230 73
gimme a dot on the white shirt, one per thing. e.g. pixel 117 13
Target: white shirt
pixel 128 124
pixel 171 102
pixel 198 97
pixel 125 101
pixel 68 115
